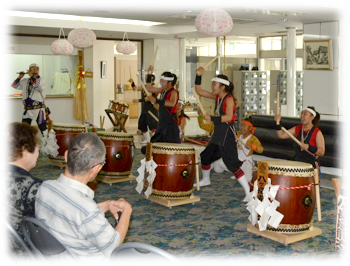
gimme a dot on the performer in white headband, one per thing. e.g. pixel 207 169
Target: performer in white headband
pixel 167 128
pixel 308 134
pixel 222 143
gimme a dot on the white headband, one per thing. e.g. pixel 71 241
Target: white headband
pixel 311 111
pixel 220 80
pixel 167 78
pixel 32 65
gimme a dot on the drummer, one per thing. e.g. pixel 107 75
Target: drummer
pixel 309 135
pixel 167 129
pixel 222 143
pixel 146 121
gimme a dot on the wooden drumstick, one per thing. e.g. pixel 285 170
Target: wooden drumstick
pixel 197 169
pixel 211 61
pixel 278 98
pixel 130 72
pixel 199 102
pixel 154 57
pixel 318 200
pixel 143 85
pixel 153 115
pixel 291 136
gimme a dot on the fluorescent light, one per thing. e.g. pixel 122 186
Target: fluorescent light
pixel 76 18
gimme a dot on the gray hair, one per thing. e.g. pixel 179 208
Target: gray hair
pixel 85 151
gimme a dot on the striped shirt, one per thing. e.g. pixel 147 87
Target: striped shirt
pixel 67 208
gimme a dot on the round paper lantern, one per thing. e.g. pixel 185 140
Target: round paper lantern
pixel 82 37
pixel 62 47
pixel 126 47
pixel 214 22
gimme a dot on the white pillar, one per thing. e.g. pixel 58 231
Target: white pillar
pixel 182 68
pixel 291 71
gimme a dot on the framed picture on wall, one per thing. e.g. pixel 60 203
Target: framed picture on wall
pixel 103 69
pixel 318 54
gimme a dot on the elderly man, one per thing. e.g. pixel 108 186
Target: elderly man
pixel 67 208
pixel 33 95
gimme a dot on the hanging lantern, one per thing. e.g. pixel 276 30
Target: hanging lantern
pixel 126 47
pixel 82 37
pixel 62 46
pixel 214 22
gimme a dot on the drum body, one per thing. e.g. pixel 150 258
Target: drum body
pixel 64 135
pixel 119 154
pixel 175 172
pixel 296 194
pixel 118 106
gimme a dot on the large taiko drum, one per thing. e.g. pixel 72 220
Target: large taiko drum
pixel 64 135
pixel 296 194
pixel 119 154
pixel 175 172
pixel 118 106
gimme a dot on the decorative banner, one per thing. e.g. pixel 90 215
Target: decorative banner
pixel 146 172
pixel 49 145
pixel 214 22
pixel 61 46
pixel 126 47
pixel 82 37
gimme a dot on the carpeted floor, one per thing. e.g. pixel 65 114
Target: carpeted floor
pixel 213 228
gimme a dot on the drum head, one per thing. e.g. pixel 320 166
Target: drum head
pixel 69 127
pixel 115 135
pixel 172 148
pixel 286 167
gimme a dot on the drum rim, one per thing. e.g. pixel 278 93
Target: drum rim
pixel 171 145
pixel 68 125
pixel 112 133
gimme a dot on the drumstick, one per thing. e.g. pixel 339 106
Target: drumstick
pixel 153 115
pixel 154 56
pixel 197 168
pixel 195 142
pixel 278 98
pixel 291 136
pixel 199 102
pixel 211 61
pixel 143 85
pixel 318 201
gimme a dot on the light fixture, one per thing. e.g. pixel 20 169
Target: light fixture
pixel 62 46
pixel 126 47
pixel 214 22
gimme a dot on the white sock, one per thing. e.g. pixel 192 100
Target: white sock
pixel 147 137
pixel 206 179
pixel 244 183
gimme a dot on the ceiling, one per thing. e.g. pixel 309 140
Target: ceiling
pixel 251 19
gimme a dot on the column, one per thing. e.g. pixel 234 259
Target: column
pixel 291 71
pixel 182 68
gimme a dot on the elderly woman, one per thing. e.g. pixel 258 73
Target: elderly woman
pixel 23 141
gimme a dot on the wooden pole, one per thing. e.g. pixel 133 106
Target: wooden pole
pixel 199 102
pixel 197 169
pixel 318 200
pixel 278 98
pixel 153 115
pixel 211 61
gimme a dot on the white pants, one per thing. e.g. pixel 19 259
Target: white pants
pixel 219 167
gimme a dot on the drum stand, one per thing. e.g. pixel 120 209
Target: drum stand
pixel 285 238
pixel 118 121
pixel 110 180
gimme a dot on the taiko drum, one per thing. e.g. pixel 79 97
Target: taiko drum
pixel 175 172
pixel 296 194
pixel 118 106
pixel 119 154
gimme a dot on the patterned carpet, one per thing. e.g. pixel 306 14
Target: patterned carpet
pixel 213 228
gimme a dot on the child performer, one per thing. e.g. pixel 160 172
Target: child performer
pixel 181 121
pixel 146 121
pixel 222 143
pixel 247 143
pixel 167 129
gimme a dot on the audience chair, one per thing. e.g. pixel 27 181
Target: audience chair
pixel 141 251
pixel 19 240
pixel 40 238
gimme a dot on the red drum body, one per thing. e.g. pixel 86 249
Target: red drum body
pixel 175 172
pixel 118 106
pixel 64 135
pixel 119 154
pixel 296 194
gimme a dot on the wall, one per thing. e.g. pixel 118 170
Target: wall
pixel 321 87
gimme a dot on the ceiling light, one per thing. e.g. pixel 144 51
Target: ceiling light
pixel 283 20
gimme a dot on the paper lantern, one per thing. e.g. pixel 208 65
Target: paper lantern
pixel 214 22
pixel 62 47
pixel 82 37
pixel 126 47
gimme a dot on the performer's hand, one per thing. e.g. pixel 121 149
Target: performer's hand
pixel 30 73
pixel 135 101
pixel 277 117
pixel 199 111
pixel 150 69
pixel 21 75
pixel 304 146
pixel 131 80
pixel 207 117
pixel 200 71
